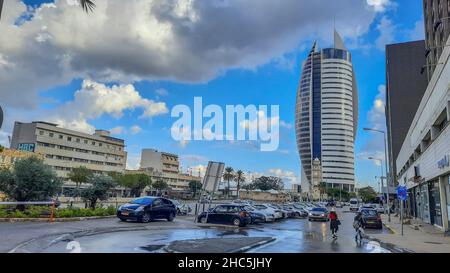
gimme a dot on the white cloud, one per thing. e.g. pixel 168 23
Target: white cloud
pixel 135 130
pixel 289 177
pixel 379 5
pixel 387 29
pixel 133 162
pixel 95 99
pixel 162 92
pixel 180 40
pixel 418 32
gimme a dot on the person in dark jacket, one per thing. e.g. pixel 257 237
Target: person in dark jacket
pixel 334 223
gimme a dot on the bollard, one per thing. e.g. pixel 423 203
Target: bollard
pixel 52 213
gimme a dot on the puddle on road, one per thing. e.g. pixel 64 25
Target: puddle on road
pixel 152 248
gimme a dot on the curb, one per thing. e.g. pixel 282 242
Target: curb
pixel 390 229
pixel 247 248
pixel 41 220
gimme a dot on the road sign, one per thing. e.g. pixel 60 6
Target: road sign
pixel 402 193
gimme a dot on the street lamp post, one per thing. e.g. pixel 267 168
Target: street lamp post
pixel 386 165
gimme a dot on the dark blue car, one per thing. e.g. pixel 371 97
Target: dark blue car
pixel 147 209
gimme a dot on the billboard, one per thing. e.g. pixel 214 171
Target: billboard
pixel 213 176
pixel 26 147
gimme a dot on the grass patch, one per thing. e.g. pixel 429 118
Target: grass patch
pixel 44 212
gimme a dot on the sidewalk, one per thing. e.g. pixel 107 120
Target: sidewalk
pixel 425 239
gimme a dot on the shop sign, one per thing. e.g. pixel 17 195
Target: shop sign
pixel 444 163
pixel 26 147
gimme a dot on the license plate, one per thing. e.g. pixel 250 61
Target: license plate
pixel 125 213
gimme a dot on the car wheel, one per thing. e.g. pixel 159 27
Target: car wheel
pixel 237 222
pixel 146 218
pixel 171 217
pixel 309 220
pixel 203 220
pixel 178 211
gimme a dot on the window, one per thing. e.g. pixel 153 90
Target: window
pixel 221 209
pixel 50 135
pixel 69 138
pixel 85 141
pixel 78 140
pixel 93 143
pixel 61 136
pixel 41 133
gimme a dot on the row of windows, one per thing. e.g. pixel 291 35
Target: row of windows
pixel 48 145
pixel 81 160
pixel 78 140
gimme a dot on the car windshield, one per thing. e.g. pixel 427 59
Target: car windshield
pixel 319 209
pixel 142 201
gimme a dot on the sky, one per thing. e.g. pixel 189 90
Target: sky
pixel 125 66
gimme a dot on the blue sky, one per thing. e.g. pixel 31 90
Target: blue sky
pixel 267 75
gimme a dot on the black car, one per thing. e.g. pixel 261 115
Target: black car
pixel 147 209
pixel 235 215
pixel 371 219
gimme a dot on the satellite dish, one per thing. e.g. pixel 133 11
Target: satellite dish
pixel 1 117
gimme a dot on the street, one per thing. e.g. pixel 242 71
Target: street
pixel 112 236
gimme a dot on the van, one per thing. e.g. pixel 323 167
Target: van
pixel 354 204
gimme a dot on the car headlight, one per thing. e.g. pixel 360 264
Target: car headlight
pixel 322 215
pixel 120 207
pixel 310 214
pixel 141 208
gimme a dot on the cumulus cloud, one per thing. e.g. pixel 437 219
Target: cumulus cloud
pixel 133 161
pixel 387 30
pixel 95 99
pixel 117 130
pixel 179 40
pixel 379 5
pixel 288 177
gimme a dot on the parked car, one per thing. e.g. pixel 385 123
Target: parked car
pixel 283 212
pixel 366 206
pixel 371 218
pixel 320 214
pixel 255 215
pixel 271 214
pixel 298 212
pixel 147 209
pixel 339 205
pixel 182 209
pixel 229 214
pixel 278 213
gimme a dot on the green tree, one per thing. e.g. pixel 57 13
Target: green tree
pixel 367 194
pixel 195 186
pixel 136 183
pixel 80 175
pixel 160 185
pixel 30 180
pixel 266 183
pixel 240 178
pixel 99 188
pixel 228 176
pixel 322 186
pixel 2 149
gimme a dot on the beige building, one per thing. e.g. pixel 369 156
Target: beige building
pixel 316 179
pixel 264 196
pixel 166 167
pixel 65 149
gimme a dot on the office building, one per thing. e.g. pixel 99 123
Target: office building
pixel 326 116
pixel 65 149
pixel 405 86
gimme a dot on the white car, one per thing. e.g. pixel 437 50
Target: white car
pixel 281 212
pixel 269 216
pixel 272 215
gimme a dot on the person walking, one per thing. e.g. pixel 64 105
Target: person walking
pixel 358 225
pixel 334 223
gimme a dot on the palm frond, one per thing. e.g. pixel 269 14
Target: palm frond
pixel 87 5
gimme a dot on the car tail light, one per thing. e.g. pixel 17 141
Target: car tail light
pixel 243 214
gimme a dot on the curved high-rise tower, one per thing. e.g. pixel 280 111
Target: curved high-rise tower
pixel 326 118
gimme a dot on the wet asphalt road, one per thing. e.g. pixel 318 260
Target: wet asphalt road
pixel 292 236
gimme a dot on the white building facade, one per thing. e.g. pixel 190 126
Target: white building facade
pixel 423 163
pixel 326 117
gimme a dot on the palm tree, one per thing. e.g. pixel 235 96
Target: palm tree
pixel 239 178
pixel 86 5
pixel 228 175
